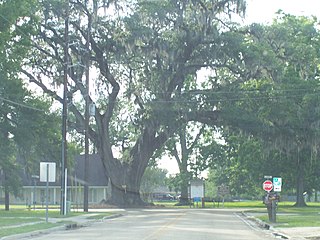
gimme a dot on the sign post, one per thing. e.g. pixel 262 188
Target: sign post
pixel 47 174
pixel 271 199
pixel 196 190
pixel 223 190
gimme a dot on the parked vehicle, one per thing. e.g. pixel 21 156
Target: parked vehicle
pixel 163 196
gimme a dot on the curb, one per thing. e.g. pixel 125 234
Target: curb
pixel 90 222
pixel 266 226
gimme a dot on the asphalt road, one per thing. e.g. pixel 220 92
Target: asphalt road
pixel 167 224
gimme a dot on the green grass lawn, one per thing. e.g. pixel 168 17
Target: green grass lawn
pixel 22 220
pixel 289 216
pixel 28 228
pixel 238 204
pixel 299 220
pixel 11 221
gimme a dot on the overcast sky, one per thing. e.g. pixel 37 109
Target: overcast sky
pixel 263 11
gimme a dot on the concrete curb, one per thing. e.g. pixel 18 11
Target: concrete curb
pixel 266 226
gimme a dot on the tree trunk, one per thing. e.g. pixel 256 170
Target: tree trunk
pixel 6 198
pixel 300 201
pixel 125 185
pixel 125 175
pixel 184 199
pixel 183 168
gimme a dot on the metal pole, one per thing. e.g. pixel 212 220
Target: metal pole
pixel 65 191
pixel 34 177
pixel 87 116
pixel 64 110
pixel 34 194
pixel 47 193
pixel 273 211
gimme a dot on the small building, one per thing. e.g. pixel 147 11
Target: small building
pixel 33 191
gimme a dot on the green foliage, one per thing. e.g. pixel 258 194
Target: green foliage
pixel 28 131
pixel 176 181
pixel 153 177
pixel 275 106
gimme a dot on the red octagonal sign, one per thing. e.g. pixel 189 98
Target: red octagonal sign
pixel 267 185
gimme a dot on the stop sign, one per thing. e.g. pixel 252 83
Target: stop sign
pixel 267 185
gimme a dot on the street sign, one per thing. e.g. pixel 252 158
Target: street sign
pixel 267 185
pixel 47 171
pixel 223 190
pixel 277 183
pixel 196 188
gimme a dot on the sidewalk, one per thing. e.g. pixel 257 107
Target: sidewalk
pixel 299 233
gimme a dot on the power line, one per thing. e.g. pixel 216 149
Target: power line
pixel 279 98
pixel 21 104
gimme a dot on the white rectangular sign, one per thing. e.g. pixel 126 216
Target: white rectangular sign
pixel 196 189
pixel 277 184
pixel 51 170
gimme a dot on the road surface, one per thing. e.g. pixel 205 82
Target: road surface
pixel 167 224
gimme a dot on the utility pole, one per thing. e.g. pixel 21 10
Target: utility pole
pixel 64 113
pixel 87 117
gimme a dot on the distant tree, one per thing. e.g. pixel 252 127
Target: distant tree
pixel 195 149
pixel 182 148
pixel 152 178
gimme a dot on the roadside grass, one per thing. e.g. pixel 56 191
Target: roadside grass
pixel 27 228
pixel 239 204
pixel 290 216
pixel 21 220
pixel 21 213
pixel 11 221
pixel 299 219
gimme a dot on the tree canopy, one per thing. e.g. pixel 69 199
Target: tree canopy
pixel 29 130
pixel 142 60
pixel 277 100
pixel 142 53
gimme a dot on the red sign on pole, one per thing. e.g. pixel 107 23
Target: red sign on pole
pixel 267 185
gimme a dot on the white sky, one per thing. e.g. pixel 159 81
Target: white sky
pixel 263 11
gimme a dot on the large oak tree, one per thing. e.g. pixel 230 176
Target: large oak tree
pixel 141 54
